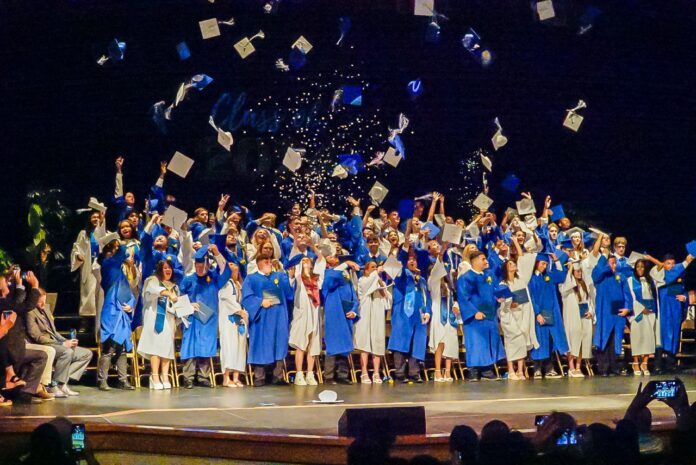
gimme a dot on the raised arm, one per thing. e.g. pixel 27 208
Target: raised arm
pixel 433 204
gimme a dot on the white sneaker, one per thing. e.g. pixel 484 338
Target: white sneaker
pixel 575 374
pixel 68 392
pixel 300 379
pixel 311 381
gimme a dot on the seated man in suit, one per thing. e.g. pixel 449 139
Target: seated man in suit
pixel 71 361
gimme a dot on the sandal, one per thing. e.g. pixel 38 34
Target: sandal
pixel 636 371
pixel 5 402
pixel 238 383
pixel 644 369
pixel 365 379
pixel 376 379
pixel 14 382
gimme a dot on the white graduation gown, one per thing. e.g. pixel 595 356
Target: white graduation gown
pixel 91 292
pixel 233 345
pixel 519 334
pixel 645 334
pixel 578 330
pixel 441 333
pixel 369 331
pixel 306 317
pixel 151 343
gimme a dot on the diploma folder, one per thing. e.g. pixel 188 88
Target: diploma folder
pixel 584 308
pixel 547 315
pixel 204 313
pixel 273 295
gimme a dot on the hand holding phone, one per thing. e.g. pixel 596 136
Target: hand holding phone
pixel 78 440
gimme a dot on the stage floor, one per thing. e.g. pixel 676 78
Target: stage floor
pixel 289 411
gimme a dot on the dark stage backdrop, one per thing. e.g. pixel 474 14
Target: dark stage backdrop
pixel 629 170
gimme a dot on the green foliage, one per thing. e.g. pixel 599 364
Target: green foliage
pixel 5 262
pixel 46 221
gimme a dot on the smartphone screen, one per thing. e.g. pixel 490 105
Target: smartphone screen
pixel 6 314
pixel 569 437
pixel 540 419
pixel 665 389
pixel 78 439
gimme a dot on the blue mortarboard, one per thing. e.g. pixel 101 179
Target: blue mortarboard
pixel 294 260
pixel 691 248
pixel 116 50
pixel 352 162
pixel 183 51
pixel 415 88
pixel 201 254
pixel 236 209
pixel 433 230
pixel 297 59
pixel 405 208
pixel 200 81
pixel 344 25
pixel 158 117
pixel 158 230
pixel 398 144
pixel 352 95
pixel 432 32
pixel 557 212
pixel 543 257
pixel 510 183
pixel 472 43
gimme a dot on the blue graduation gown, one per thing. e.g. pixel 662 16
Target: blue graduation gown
pixel 115 323
pixel 149 258
pixel 200 340
pixel 408 333
pixel 672 312
pixel 612 291
pixel 623 267
pixel 269 329
pixel 544 297
pixel 475 292
pixel 338 297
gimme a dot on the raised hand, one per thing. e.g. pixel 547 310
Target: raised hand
pixel 119 164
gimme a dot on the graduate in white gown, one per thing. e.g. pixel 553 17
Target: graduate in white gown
pixel 578 294
pixel 516 313
pixel 369 336
pixel 159 324
pixel 233 323
pixel 83 257
pixel 307 278
pixel 443 340
pixel 645 326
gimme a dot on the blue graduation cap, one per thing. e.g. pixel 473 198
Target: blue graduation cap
pixel 297 59
pixel 157 112
pixel 352 162
pixel 691 248
pixel 405 208
pixel 200 81
pixel 294 260
pixel 415 88
pixel 116 50
pixel 588 18
pixel 472 43
pixel 543 257
pixel 201 254
pixel 511 183
pixel 346 257
pixel 557 212
pixel 433 230
pixel 183 51
pixel 352 95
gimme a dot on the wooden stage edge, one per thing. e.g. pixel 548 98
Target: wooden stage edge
pixel 230 445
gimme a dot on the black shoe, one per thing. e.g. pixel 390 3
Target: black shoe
pixel 204 383
pixel 104 386
pixel 488 375
pixel 280 382
pixel 188 384
pixel 331 381
pixel 417 380
pixel 125 385
pixel 623 372
pixel 346 381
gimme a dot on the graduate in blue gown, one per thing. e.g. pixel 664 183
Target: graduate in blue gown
pixel 116 315
pixel 232 250
pixel 622 265
pixel 265 296
pixel 341 309
pixel 612 303
pixel 199 340
pixel 672 298
pixel 411 313
pixel 478 306
pixel 549 328
pixel 155 247
pixel 368 251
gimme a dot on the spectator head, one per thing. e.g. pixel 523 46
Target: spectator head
pixel 463 445
pixel 599 443
pixel 627 446
pixel 424 460
pixel 41 303
pixel 367 451
pixel 50 444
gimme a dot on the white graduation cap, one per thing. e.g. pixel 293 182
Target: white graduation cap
pixel 525 207
pixel 511 212
pixel 487 163
pixel 452 233
pixel 498 140
pixel 326 248
pixel 598 232
pixel 339 172
pixel 530 245
pixel 378 193
pixel 574 230
pixel 303 45
pixel 174 217
pixel 530 222
pixel 392 267
pixel 327 397
pixel 225 139
pixel 180 164
pixel 245 48
pixel 473 230
pixel 106 239
pixel 634 257
pixel 209 28
pixel 573 120
pixel 180 94
pixel 545 10
pixel 483 202
pixel 94 204
pixel 424 7
pixel 293 159
pixel 392 158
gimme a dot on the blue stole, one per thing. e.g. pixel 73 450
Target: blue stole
pixel 638 292
pixel 161 314
pixel 444 311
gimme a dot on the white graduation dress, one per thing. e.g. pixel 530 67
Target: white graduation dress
pixel 153 343
pixel 91 292
pixel 305 328
pixel 645 332
pixel 370 330
pixel 578 330
pixel 519 333
pixel 233 344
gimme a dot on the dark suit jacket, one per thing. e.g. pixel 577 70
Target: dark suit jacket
pixel 20 301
